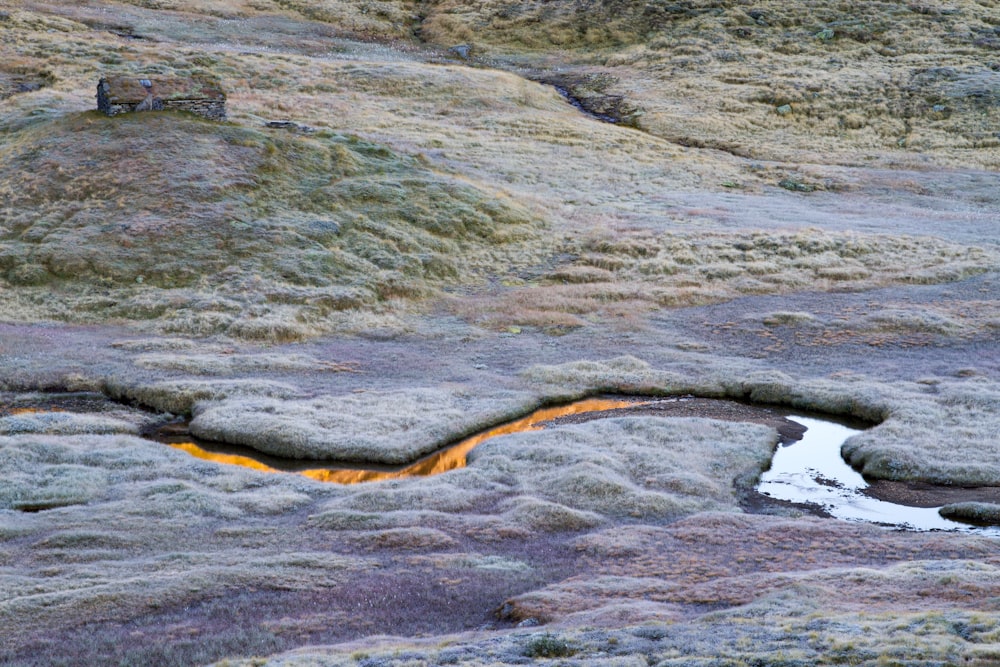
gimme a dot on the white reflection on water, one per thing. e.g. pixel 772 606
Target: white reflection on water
pixel 811 470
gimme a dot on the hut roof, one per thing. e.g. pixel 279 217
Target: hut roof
pixel 129 89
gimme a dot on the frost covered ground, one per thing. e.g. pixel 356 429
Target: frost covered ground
pixel 453 246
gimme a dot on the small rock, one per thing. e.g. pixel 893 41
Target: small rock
pixel 529 623
pixel 463 51
pixel 289 125
pixel 784 109
pixel 826 34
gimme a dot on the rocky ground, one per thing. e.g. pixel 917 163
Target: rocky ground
pixel 453 244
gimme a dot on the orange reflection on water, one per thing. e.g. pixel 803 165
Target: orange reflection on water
pixel 443 461
pixel 229 459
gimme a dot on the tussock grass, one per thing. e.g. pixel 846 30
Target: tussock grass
pixel 786 318
pixel 402 191
pixel 813 82
pixel 33 485
pixel 545 516
pixel 379 427
pixel 794 639
pixel 620 276
pixel 133 563
pixel 424 177
pixel 946 437
pixel 627 467
pixel 386 19
pixel 230 364
pixel 258 234
pixel 179 397
pixel 64 423
pixel 981 513
pixel 886 322
pixel 240 529
pixel 406 539
pixel 738 566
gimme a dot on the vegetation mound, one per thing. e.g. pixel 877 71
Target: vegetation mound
pixel 212 227
pixel 815 82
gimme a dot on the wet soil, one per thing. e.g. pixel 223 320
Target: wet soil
pixel 924 494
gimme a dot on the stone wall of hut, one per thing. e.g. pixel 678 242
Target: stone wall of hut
pixel 211 109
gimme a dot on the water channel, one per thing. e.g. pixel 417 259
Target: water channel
pixel 812 471
pixel 446 459
pixel 807 468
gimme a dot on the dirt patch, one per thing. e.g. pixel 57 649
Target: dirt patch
pixel 922 494
pixel 589 92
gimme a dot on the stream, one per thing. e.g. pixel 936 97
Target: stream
pixel 806 469
pixel 811 470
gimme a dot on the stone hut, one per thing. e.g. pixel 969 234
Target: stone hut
pixel 125 94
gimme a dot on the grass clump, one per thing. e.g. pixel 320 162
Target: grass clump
pixel 64 423
pixel 971 512
pixel 633 467
pixel 548 646
pixel 787 318
pixel 944 437
pixel 623 276
pixel 180 396
pixel 383 427
pixel 38 476
pixel 257 234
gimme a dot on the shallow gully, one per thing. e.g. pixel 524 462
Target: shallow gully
pixel 806 471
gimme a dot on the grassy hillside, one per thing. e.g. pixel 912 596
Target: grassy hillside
pixel 426 173
pixel 170 212
pixel 820 82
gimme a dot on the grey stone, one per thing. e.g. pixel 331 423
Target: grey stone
pixel 463 51
pixel 290 125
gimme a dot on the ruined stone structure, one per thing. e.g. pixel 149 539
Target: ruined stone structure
pixel 124 94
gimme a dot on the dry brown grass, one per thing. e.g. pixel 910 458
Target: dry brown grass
pixel 861 81
pixel 482 145
pixel 617 278
pixel 258 234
